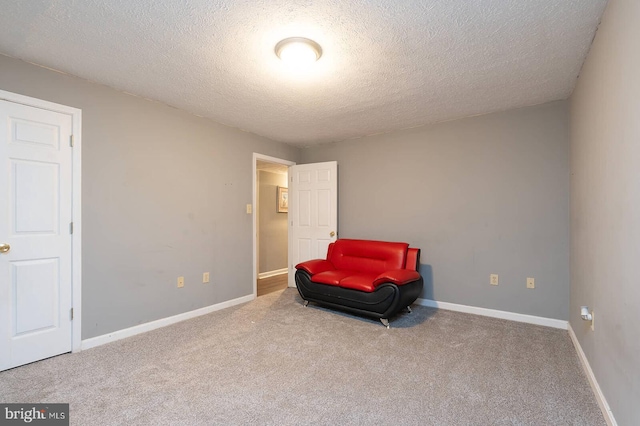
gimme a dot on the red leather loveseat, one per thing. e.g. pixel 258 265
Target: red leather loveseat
pixel 373 278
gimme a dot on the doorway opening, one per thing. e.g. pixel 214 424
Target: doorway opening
pixel 271 236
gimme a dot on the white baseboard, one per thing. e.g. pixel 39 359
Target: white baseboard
pixel 273 273
pixel 512 316
pixel 142 328
pixel 602 401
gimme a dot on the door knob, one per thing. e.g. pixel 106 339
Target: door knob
pixel 4 248
pixel 332 234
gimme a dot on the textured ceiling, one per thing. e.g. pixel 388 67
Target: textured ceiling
pixel 387 64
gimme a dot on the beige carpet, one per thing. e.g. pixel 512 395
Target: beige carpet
pixel 272 361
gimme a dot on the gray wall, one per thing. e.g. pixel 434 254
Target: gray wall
pixel 272 226
pixel 481 195
pixel 605 208
pixel 164 195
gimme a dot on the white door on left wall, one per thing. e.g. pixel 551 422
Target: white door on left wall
pixel 35 235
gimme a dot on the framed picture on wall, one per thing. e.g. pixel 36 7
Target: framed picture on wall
pixel 282 202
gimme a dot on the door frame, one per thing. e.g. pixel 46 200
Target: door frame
pixel 76 204
pixel 269 159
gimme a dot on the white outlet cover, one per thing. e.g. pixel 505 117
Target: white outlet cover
pixel 493 279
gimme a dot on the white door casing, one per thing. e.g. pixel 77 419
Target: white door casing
pixel 36 211
pixel 313 211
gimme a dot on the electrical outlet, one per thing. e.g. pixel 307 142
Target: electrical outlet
pixel 205 277
pixel 249 208
pixel 180 282
pixel 531 283
pixel 493 279
pixel 593 321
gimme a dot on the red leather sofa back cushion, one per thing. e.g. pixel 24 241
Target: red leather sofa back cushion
pixel 367 256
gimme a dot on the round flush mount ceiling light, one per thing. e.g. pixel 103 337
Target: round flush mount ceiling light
pixel 298 52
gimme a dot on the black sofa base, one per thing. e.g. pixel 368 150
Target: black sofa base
pixel 386 301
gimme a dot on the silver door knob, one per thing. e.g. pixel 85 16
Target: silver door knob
pixel 4 248
pixel 332 234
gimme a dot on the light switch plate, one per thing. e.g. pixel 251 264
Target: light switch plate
pixel 205 277
pixel 180 282
pixel 249 208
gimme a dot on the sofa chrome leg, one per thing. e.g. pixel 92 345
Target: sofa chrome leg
pixel 409 309
pixel 305 303
pixel 384 322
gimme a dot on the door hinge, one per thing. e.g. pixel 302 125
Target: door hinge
pixel 71 313
pixel 71 141
pixel 71 228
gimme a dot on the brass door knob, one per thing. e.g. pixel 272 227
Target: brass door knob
pixel 4 248
pixel 332 234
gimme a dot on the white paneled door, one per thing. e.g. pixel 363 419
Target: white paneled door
pixel 35 235
pixel 313 211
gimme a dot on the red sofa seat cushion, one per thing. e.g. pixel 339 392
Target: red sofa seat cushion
pixel 331 277
pixel 359 281
pixel 346 279
pixel 363 281
pixel 373 257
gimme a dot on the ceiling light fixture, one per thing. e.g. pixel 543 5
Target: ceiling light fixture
pixel 298 52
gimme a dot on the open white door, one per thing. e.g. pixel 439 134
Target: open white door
pixel 313 212
pixel 35 235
